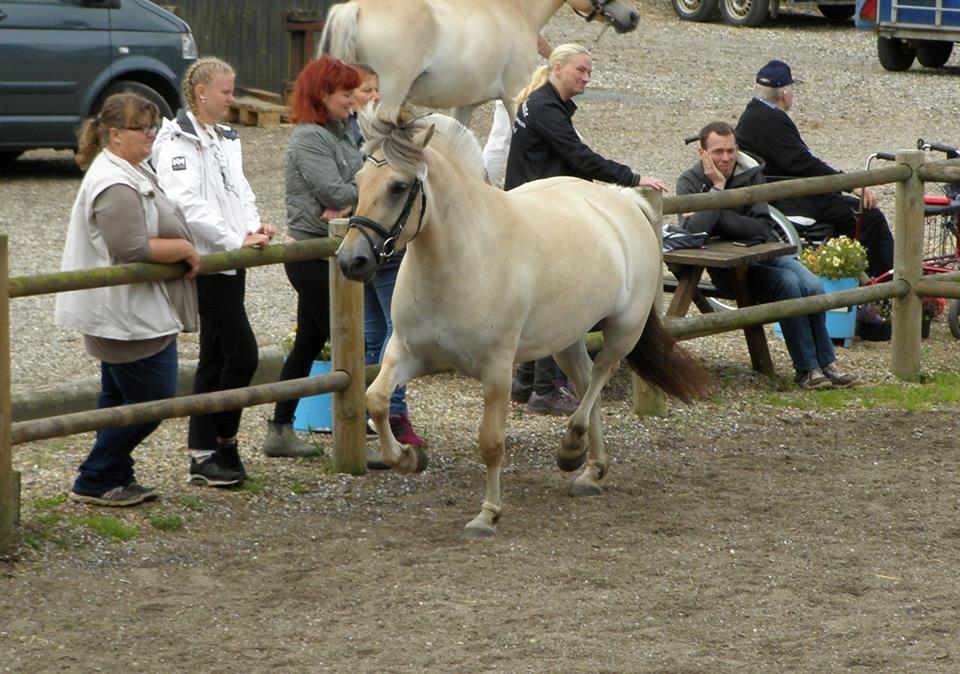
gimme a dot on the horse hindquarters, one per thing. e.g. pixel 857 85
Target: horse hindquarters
pixel 657 359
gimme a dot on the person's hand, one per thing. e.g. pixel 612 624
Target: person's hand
pixel 193 261
pixel 711 172
pixel 267 229
pixel 869 198
pixel 256 240
pixel 331 213
pixel 648 181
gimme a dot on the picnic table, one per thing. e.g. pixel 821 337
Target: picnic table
pixel 688 264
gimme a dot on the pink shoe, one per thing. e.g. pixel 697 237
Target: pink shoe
pixel 404 433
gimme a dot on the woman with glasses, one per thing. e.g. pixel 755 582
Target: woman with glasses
pixel 200 166
pixel 122 215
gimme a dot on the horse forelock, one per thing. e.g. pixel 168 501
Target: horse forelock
pixel 398 140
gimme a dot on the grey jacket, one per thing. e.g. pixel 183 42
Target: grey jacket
pixel 322 162
pixel 743 222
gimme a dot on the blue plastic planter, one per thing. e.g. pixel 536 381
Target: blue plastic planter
pixel 315 413
pixel 841 322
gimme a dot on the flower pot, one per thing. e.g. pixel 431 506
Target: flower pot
pixel 874 332
pixel 315 413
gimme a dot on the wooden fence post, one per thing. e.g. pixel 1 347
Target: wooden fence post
pixel 346 340
pixel 908 265
pixel 9 486
pixel 649 400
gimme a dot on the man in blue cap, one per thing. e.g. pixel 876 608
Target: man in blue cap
pixel 766 131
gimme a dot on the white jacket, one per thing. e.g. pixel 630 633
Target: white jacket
pixel 127 312
pixel 204 176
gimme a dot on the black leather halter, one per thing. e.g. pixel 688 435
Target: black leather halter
pixel 598 6
pixel 387 246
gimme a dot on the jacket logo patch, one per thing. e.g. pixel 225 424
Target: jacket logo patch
pixel 179 164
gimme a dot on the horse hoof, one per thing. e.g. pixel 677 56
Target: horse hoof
pixel 475 531
pixel 422 460
pixel 571 463
pixel 585 488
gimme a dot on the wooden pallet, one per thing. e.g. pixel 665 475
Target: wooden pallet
pixel 254 112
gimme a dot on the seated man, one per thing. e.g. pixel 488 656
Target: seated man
pixel 767 132
pixel 722 166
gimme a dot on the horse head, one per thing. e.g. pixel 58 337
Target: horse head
pixel 618 13
pixel 392 196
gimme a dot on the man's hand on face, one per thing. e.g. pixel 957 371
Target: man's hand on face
pixel 711 171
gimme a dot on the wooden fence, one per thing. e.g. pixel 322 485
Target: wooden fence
pixel 347 380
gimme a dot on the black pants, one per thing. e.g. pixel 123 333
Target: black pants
pixel 542 373
pixel 840 211
pixel 228 353
pixel 311 279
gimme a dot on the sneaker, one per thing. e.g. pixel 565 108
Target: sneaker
pixel 213 472
pixel 230 458
pixel 404 433
pixel 559 402
pixel 149 493
pixel 812 379
pixel 838 378
pixel 282 441
pixel 116 497
pixel 520 392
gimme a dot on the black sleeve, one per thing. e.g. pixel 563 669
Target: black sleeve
pixel 553 125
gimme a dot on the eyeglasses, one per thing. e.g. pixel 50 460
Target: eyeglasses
pixel 145 130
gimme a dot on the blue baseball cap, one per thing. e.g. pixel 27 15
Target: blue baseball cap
pixel 776 74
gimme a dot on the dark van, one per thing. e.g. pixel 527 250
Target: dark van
pixel 59 59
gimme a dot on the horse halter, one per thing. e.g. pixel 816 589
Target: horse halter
pixel 598 6
pixel 387 248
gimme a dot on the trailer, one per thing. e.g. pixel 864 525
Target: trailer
pixel 909 30
pixel 756 12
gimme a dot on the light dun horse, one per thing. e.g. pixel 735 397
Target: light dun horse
pixel 492 276
pixel 442 54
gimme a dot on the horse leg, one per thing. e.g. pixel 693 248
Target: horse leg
pixel 587 420
pixel 496 392
pixel 462 114
pixel 396 370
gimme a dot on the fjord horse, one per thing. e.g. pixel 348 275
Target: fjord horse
pixel 494 277
pixel 443 54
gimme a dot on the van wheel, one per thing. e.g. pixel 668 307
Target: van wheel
pixel 136 88
pixel 934 53
pixel 744 12
pixel 695 10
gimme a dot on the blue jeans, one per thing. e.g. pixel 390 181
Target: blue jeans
pixel 785 278
pixel 110 463
pixel 377 325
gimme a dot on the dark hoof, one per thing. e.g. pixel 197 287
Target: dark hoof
pixel 571 463
pixel 422 460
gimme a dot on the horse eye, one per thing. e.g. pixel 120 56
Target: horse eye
pixel 398 188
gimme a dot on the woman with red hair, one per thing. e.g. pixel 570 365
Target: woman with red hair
pixel 322 160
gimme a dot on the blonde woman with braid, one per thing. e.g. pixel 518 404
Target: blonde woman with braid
pixel 546 145
pixel 200 166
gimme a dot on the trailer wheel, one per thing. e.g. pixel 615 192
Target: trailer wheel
pixel 837 12
pixel 695 10
pixel 894 54
pixel 744 12
pixel 934 53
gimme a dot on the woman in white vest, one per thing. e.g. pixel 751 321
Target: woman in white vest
pixel 122 215
pixel 200 166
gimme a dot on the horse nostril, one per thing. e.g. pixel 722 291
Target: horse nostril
pixel 634 17
pixel 359 265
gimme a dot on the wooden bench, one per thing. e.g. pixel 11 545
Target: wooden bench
pixel 687 266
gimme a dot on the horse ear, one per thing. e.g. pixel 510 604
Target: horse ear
pixel 425 135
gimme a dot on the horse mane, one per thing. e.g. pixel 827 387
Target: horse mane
pixel 401 148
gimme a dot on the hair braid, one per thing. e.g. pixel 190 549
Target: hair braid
pixel 202 71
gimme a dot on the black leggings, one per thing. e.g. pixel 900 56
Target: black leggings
pixel 311 280
pixel 228 353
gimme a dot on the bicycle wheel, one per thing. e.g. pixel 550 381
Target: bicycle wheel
pixel 785 232
pixel 953 318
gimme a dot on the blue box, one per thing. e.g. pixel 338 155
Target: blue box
pixel 315 413
pixel 842 321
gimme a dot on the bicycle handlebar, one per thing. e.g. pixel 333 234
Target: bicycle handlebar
pixel 886 156
pixel 951 152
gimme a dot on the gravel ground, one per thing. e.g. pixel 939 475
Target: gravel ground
pixel 270 573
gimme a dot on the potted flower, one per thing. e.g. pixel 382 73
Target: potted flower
pixel 931 308
pixel 839 262
pixel 873 321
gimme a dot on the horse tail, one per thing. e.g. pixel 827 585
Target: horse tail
pixel 339 37
pixel 657 359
